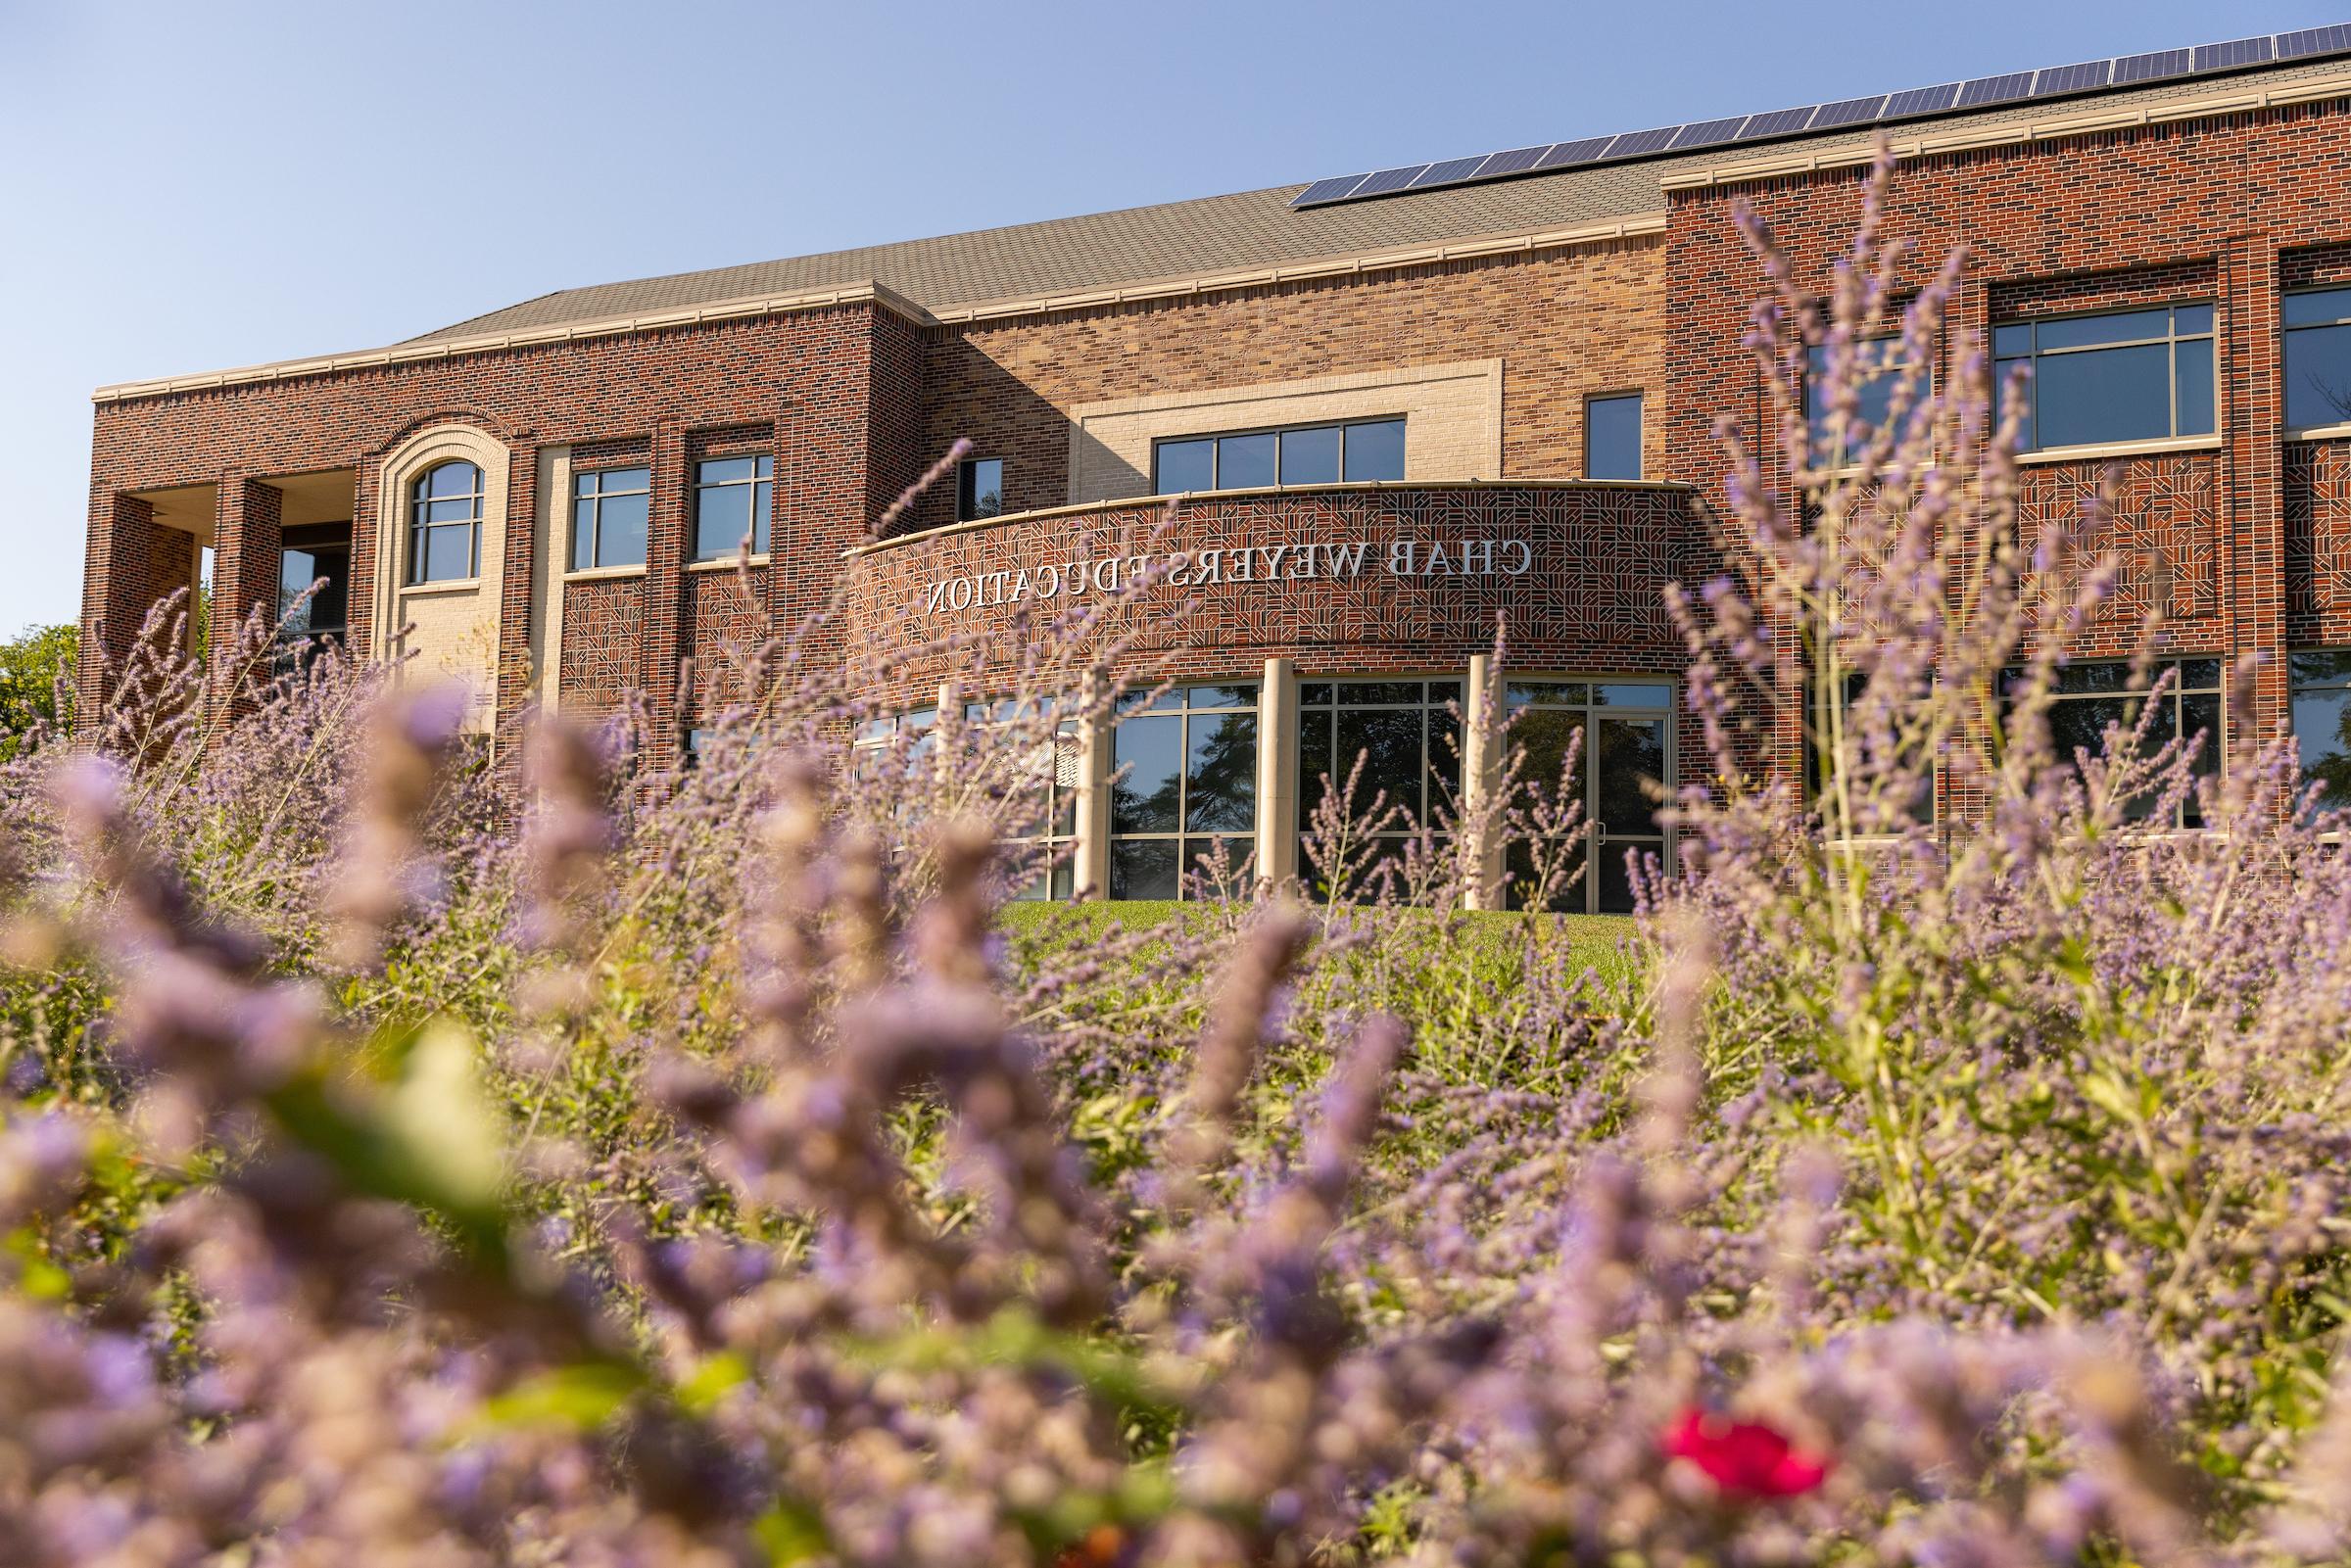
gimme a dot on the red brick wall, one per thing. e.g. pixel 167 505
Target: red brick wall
pixel 2195 209
pixel 806 379
pixel 1598 558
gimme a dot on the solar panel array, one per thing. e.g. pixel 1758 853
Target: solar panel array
pixel 2021 87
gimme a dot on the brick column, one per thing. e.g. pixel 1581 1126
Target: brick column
pixel 2251 518
pixel 517 582
pixel 133 562
pixel 247 562
pixel 667 544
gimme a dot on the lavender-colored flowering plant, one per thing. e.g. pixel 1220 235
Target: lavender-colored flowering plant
pixel 409 1157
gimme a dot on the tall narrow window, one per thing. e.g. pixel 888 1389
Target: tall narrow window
pixel 444 524
pixel 2124 375
pixel 1613 436
pixel 2318 359
pixel 2322 699
pixel 608 515
pixel 978 489
pixel 731 498
pixel 1406 735
pixel 1626 728
pixel 1187 766
pixel 1045 777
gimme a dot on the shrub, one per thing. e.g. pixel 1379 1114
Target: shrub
pixel 412 1156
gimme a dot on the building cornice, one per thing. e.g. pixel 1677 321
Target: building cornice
pixel 2056 127
pixel 870 293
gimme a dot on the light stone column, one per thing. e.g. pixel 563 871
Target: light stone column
pixel 1089 867
pixel 1277 773
pixel 1482 752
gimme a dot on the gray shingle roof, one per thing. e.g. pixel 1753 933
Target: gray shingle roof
pixel 1222 233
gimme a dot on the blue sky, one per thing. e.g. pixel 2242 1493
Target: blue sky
pixel 187 187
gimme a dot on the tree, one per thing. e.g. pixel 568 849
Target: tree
pixel 34 670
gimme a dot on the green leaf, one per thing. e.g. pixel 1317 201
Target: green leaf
pixel 581 1397
pixel 791 1531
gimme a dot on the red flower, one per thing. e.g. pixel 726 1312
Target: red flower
pixel 1745 1459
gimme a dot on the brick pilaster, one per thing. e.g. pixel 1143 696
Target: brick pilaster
pixel 247 557
pixel 667 546
pixel 132 563
pixel 2251 519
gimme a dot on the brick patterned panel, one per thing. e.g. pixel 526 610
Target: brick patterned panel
pixel 2163 531
pixel 2318 540
pixel 602 629
pixel 1595 559
pixel 722 619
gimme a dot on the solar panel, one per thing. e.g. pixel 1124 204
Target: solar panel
pixel 1388 179
pixel 1583 152
pixel 2085 77
pixel 1851 112
pixel 1450 173
pixel 2055 82
pixel 1516 161
pixel 1327 190
pixel 1707 132
pixel 2313 41
pixel 1997 89
pixel 1778 123
pixel 1922 100
pixel 1633 143
pixel 2156 66
pixel 2229 56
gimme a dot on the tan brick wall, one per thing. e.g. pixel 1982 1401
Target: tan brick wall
pixel 1563 325
pixel 1451 412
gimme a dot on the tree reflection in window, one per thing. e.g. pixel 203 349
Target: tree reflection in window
pixel 1185 766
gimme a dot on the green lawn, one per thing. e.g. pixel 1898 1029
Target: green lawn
pixel 1591 939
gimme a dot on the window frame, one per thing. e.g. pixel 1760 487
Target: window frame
pixel 1922 370
pixel 1145 704
pixel 1592 708
pixel 1058 821
pixel 1639 398
pixel 763 485
pixel 2182 691
pixel 418 500
pixel 2341 423
pixel 2002 363
pixel 1434 711
pixel 2298 684
pixel 1217 457
pixel 967 490
pixel 596 500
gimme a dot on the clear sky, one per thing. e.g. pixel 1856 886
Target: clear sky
pixel 186 187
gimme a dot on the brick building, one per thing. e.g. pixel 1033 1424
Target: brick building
pixel 1399 403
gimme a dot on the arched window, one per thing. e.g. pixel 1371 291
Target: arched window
pixel 444 524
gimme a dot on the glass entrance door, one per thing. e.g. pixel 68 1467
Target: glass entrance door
pixel 1626 754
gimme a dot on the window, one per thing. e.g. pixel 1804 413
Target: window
pixel 1613 436
pixel 1047 774
pixel 1186 762
pixel 2318 359
pixel 697 741
pixel 1880 367
pixel 609 514
pixel 910 730
pixel 328 563
pixel 2321 703
pixel 2091 696
pixel 1872 766
pixel 732 497
pixel 1258 459
pixel 1407 734
pixel 978 489
pixel 444 524
pixel 2126 375
pixel 1625 724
